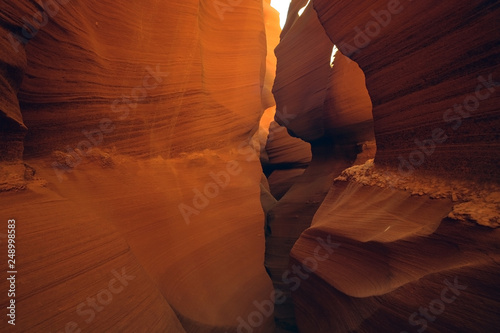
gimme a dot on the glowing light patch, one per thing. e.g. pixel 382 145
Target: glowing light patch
pixel 334 52
pixel 282 7
pixel 301 11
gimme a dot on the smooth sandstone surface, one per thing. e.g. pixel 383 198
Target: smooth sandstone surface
pixel 394 255
pixel 135 141
pixel 137 155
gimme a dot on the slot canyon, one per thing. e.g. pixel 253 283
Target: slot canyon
pixel 194 167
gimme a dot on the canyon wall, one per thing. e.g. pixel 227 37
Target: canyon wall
pixel 432 72
pixel 129 165
pixel 134 156
pixel 406 241
pixel 327 107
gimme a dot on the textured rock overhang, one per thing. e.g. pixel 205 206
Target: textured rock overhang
pixel 431 72
pixel 382 246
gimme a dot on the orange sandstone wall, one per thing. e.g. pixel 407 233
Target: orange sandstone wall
pixel 135 120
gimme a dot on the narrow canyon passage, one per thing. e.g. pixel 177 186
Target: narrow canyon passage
pixel 192 167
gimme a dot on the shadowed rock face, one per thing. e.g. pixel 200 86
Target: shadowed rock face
pixel 422 59
pixel 132 153
pixel 393 265
pixel 328 107
pixel 395 244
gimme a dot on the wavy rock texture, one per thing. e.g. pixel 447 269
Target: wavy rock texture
pixel 393 256
pixel 284 150
pixel 139 118
pixel 419 62
pixel 129 148
pixel 302 103
pixel 67 277
pixel 380 255
pixel 287 157
pixel 327 107
pixel 292 214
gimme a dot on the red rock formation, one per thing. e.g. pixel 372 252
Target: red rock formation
pixel 129 158
pixel 75 270
pixel 391 258
pixel 420 60
pixel 139 118
pixel 282 149
pixel 381 253
pixel 301 60
pixel 328 107
pixel 271 16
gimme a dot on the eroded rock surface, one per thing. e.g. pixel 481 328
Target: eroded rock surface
pixel 326 106
pixel 133 155
pixel 432 72
pixel 138 119
pixel 407 241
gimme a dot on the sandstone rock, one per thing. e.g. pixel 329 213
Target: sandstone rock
pixel 131 110
pixel 390 255
pixel 393 247
pixel 302 74
pixel 133 152
pixel 431 76
pixel 284 150
pixel 328 107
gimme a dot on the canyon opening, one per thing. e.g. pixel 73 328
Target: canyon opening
pixel 250 166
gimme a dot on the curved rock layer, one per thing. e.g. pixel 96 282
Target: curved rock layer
pixel 153 91
pixel 76 272
pixel 302 74
pixel 285 151
pixel 347 115
pixel 322 101
pixel 384 260
pixel 293 214
pixel 130 161
pixel 381 257
pixel 139 118
pixel 432 72
pixel 168 90
pixel 319 92
pixel 193 227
